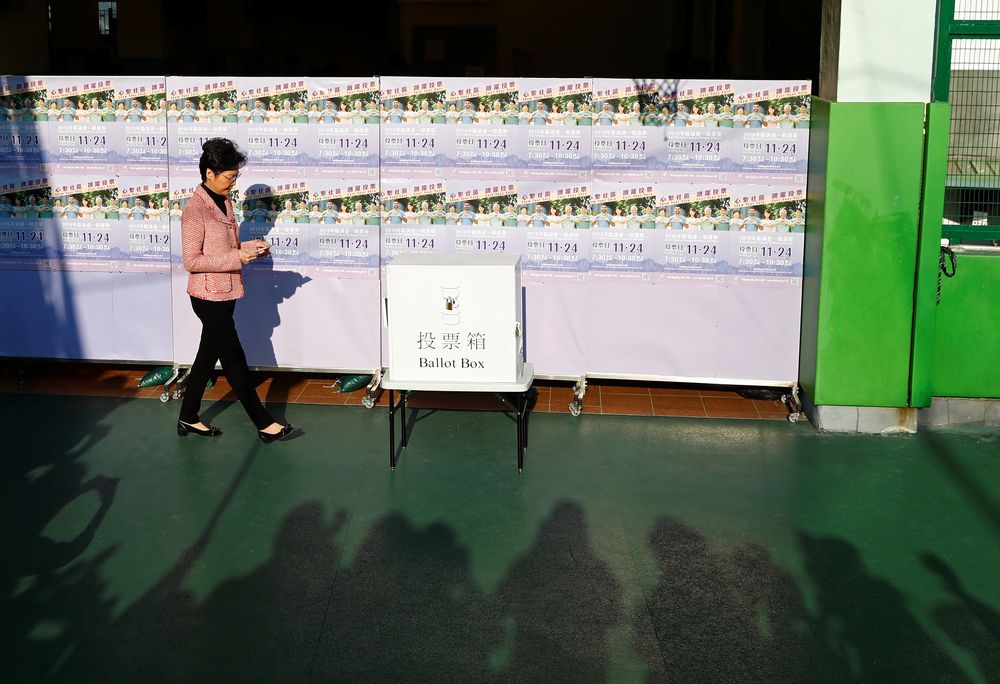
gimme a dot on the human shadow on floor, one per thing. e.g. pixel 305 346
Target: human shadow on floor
pixel 562 601
pixel 727 617
pixel 866 619
pixel 970 623
pixel 737 616
pixel 407 609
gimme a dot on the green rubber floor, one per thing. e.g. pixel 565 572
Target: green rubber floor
pixel 630 550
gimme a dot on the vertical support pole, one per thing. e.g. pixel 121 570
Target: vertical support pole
pixel 402 415
pixel 392 430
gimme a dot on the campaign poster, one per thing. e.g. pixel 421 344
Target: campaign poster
pixel 319 226
pixel 694 214
pixel 29 237
pixel 484 214
pixel 557 244
pixel 273 117
pixel 696 126
pixel 24 115
pixel 484 122
pixel 772 126
pixel 623 231
pixel 415 138
pixel 142 234
pixel 405 204
pixel 139 108
pixel 343 133
pixel 81 132
pixel 627 141
pixel 769 223
pixel 198 108
pixel 557 142
pixel 85 210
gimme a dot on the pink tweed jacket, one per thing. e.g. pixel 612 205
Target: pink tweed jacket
pixel 210 243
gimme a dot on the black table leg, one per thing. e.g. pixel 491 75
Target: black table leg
pixel 520 432
pixel 402 415
pixel 392 430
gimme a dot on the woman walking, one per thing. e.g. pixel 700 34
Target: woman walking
pixel 214 256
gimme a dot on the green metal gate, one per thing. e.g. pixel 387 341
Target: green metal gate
pixel 967 75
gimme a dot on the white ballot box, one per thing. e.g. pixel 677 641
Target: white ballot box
pixel 455 318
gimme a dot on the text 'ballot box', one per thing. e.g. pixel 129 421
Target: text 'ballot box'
pixel 455 318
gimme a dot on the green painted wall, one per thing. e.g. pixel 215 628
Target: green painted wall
pixel 861 252
pixel 967 344
pixel 929 249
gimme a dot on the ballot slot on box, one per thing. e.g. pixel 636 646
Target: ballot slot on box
pixel 455 318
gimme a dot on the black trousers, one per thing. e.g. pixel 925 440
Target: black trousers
pixel 219 342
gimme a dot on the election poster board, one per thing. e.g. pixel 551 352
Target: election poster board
pixel 660 221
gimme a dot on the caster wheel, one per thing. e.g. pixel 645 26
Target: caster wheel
pixel 177 394
pixel 793 417
pixel 368 401
pixel 575 408
pixel 165 397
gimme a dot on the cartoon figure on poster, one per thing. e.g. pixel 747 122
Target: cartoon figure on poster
pixel 555 144
pixel 343 133
pixel 273 117
pixel 414 218
pixel 414 142
pixel 482 116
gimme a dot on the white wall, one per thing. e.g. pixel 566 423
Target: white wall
pixel 886 50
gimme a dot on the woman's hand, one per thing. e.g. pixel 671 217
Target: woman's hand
pixel 248 254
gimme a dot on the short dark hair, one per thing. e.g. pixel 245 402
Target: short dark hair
pixel 220 154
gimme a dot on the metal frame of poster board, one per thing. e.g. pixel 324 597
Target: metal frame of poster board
pixel 548 156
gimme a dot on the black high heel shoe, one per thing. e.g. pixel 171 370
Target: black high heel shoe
pixel 267 439
pixel 183 429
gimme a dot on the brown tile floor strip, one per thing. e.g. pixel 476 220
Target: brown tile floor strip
pixel 603 397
